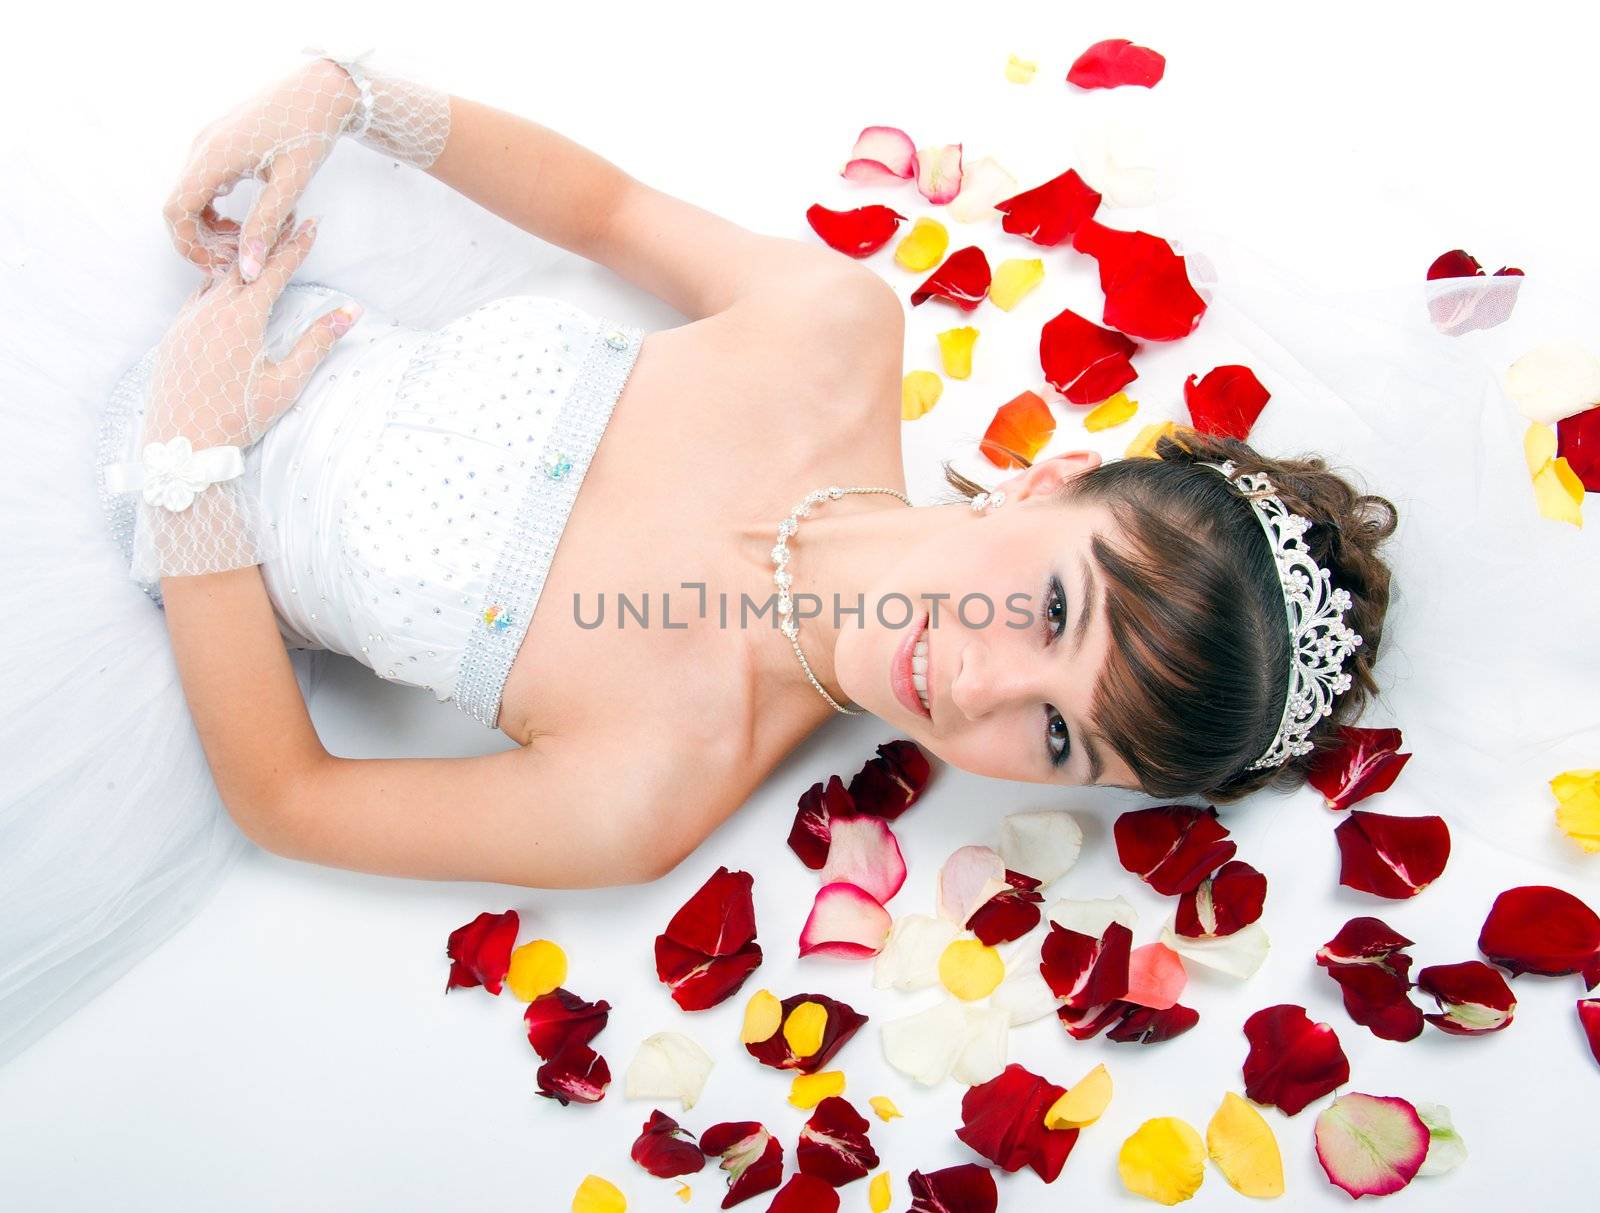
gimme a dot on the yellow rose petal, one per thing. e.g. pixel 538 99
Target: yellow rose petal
pixel 596 1195
pixel 1014 278
pixel 1559 492
pixel 878 1193
pixel 683 1192
pixel 1113 410
pixel 1241 1143
pixel 1538 446
pixel 1020 71
pixel 1144 444
pixel 1164 1160
pixel 537 967
pixel 808 1090
pixel 971 969
pixel 1579 812
pixel 1082 1104
pixel 804 1028
pixel 919 392
pixel 955 348
pixel 763 1015
pixel 923 247
pixel 884 1107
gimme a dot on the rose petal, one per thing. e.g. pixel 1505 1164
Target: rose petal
pixel 812 829
pixel 720 918
pixel 1238 955
pixel 845 921
pixel 1222 904
pixel 955 350
pixel 1024 994
pixel 1391 856
pixel 668 1065
pixel 1364 763
pixel 1003 1120
pixel 919 392
pixel 883 155
pixel 1364 940
pixel 804 1027
pixel 939 173
pixel 1589 1021
pixel 1376 998
pixel 863 852
pixel 1539 929
pixel 763 1016
pixel 1164 1160
pixel 1446 1150
pixel 1115 62
pixel 1092 915
pixel 967 880
pixel 1241 1143
pixel 856 233
pixel 1557 491
pixel 1083 1103
pixel 1010 913
pixel 1043 844
pixel 805 1194
pixel 910 956
pixel 559 1017
pixel 1082 361
pixel 1156 976
pixel 1020 71
pixel 963 280
pixel 833 1144
pixel 1083 971
pixel 1145 282
pixel 698 981
pixel 983 185
pixel 843 1022
pixel 752 1157
pixel 1553 381
pixel 1020 427
pixel 1172 847
pixel 808 1090
pixel 1578 443
pixel 1143 445
pixel 884 1107
pixel 965 1188
pixel 1370 1145
pixel 924 246
pixel 1013 279
pixel 925 1045
pixel 970 969
pixel 480 951
pixel 1110 412
pixel 1227 401
pixel 537 967
pixel 1049 213
pixel 878 1194
pixel 1089 1022
pixel 575 1073
pixel 1151 1025
pixel 1578 814
pixel 665 1148
pixel 1292 1061
pixel 1473 998
pixel 1125 161
pixel 983 1052
pixel 597 1195
pixel 892 782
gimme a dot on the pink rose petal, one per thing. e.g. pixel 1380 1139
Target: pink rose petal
pixel 845 921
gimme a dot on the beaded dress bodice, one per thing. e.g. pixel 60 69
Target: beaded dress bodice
pixel 417 491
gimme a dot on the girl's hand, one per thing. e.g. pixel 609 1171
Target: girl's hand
pixel 280 137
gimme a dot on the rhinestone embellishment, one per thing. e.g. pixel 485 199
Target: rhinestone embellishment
pixel 556 465
pixel 616 339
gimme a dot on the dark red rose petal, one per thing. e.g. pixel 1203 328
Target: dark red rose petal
pixel 1082 361
pixel 859 232
pixel 1365 939
pixel 1173 847
pixel 811 834
pixel 963 280
pixel 1115 62
pixel 1465 298
pixel 1391 856
pixel 1222 904
pixel 560 1018
pixel 1049 213
pixel 1366 762
pixel 575 1074
pixel 1292 1061
pixel 843 1023
pixel 1578 442
pixel 665 1148
pixel 480 952
pixel 967 1188
pixel 1539 929
pixel 720 918
pixel 1088 1022
pixel 805 1194
pixel 1146 284
pixel 1376 998
pixel 1084 971
pixel 1227 401
pixel 833 1144
pixel 1473 998
pixel 1458 263
pixel 890 784
pixel 752 1157
pixel 1589 1021
pixel 1009 914
pixel 698 981
pixel 1148 1026
pixel 1003 1120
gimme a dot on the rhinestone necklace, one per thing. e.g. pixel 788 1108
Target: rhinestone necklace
pixel 783 579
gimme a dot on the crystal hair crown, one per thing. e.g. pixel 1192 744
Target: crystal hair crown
pixel 1319 641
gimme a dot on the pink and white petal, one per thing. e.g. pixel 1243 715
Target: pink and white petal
pixel 845 921
pixel 1091 916
pixel 982 185
pixel 983 1056
pixel 939 173
pixel 926 1045
pixel 889 149
pixel 1371 1145
pixel 910 956
pixel 1238 955
pixel 1156 976
pixel 969 878
pixel 863 851
pixel 1043 844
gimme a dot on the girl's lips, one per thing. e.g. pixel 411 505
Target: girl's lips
pixel 900 672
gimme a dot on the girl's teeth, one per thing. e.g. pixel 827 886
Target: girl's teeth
pixel 918 681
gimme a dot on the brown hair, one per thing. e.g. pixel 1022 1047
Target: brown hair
pixel 1198 668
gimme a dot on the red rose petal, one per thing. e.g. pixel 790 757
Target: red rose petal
pixel 752 1157
pixel 1088 1022
pixel 1009 914
pixel 665 1148
pixel 1366 940
pixel 804 1194
pixel 1083 971
pixel 1151 1025
pixel 1376 998
pixel 1391 856
pixel 1578 442
pixel 1049 213
pixel 966 1188
pixel 1020 426
pixel 1366 762
pixel 857 233
pixel 1082 361
pixel 1003 1120
pixel 963 280
pixel 1222 904
pixel 843 1023
pixel 1589 1021
pixel 699 982
pixel 1462 298
pixel 480 952
pixel 560 1018
pixel 833 1144
pixel 1173 847
pixel 811 833
pixel 1292 1061
pixel 1227 401
pixel 575 1073
pixel 1539 929
pixel 709 948
pixel 1146 284
pixel 1115 62
pixel 1473 998
pixel 890 784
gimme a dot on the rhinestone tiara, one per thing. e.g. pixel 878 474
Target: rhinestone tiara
pixel 1319 641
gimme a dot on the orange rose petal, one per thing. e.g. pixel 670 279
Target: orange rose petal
pixel 537 967
pixel 1144 444
pixel 1023 424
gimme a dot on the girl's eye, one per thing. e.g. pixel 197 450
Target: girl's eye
pixel 1057 735
pixel 1055 611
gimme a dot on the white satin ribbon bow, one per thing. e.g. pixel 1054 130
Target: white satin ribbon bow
pixel 173 472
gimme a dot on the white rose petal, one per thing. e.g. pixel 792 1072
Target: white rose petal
pixel 982 185
pixel 910 956
pixel 1446 1150
pixel 1122 161
pixel 1043 844
pixel 668 1065
pixel 983 1055
pixel 1237 955
pixel 924 1046
pixel 1091 916
pixel 1554 381
pixel 1024 994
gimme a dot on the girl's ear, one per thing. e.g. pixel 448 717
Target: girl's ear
pixel 1048 475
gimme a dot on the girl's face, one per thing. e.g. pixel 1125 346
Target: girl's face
pixel 1006 633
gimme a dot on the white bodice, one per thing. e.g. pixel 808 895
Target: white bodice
pixel 416 492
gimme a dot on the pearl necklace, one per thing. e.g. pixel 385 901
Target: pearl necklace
pixel 783 579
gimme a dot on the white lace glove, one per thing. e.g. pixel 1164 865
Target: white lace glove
pixel 212 393
pixel 280 137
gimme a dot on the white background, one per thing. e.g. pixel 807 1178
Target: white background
pixel 292 1047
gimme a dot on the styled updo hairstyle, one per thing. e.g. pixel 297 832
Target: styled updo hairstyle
pixel 1198 668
